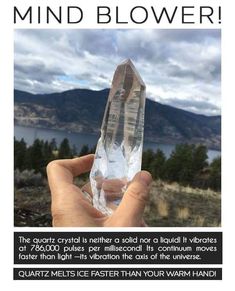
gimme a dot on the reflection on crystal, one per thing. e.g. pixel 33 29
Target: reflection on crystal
pixel 119 150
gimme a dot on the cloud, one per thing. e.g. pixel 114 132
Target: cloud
pixel 180 67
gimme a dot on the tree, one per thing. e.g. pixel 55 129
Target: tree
pixel 92 150
pixel 147 159
pixel 47 153
pixel 157 166
pixel 19 154
pixel 179 166
pixel 84 150
pixel 53 144
pixel 215 174
pixel 74 151
pixel 199 158
pixel 64 150
pixel 35 156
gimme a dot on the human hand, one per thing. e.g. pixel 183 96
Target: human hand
pixel 70 207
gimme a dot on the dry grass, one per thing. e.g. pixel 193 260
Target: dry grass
pixel 170 205
pixel 176 205
pixel 163 208
pixel 199 221
pixel 32 206
pixel 183 213
pixel 175 187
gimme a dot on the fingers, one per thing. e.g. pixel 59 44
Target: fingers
pixel 60 172
pixel 114 185
pixel 65 195
pixel 131 208
pixel 113 188
pixel 110 196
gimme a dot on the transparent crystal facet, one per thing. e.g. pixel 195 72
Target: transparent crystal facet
pixel 119 150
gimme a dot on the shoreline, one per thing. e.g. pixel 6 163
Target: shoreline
pixel 148 140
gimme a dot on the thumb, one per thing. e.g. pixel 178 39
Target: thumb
pixel 131 208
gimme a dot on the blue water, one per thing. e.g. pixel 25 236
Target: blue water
pixel 79 139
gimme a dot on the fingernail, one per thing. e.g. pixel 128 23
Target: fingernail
pixel 145 177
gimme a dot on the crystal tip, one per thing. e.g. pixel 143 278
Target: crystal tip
pixel 128 62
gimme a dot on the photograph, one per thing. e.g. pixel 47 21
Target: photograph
pixel 117 128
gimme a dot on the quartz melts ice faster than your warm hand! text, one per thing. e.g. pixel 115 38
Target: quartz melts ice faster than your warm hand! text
pixel 119 149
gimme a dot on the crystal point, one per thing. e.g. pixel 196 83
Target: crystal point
pixel 119 149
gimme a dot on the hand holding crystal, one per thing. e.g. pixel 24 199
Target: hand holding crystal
pixel 71 208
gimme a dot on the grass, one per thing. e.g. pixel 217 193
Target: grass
pixel 32 206
pixel 163 208
pixel 183 213
pixel 170 205
pixel 174 205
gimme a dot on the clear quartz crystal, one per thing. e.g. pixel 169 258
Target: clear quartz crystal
pixel 119 150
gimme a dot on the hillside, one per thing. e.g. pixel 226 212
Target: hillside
pixel 81 110
pixel 170 205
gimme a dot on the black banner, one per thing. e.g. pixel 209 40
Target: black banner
pixel 118 248
pixel 117 274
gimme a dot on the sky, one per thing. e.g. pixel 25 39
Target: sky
pixel 180 67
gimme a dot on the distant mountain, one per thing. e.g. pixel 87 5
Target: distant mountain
pixel 81 110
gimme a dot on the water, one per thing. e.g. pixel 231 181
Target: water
pixel 79 139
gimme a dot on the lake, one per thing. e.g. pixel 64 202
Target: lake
pixel 79 139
